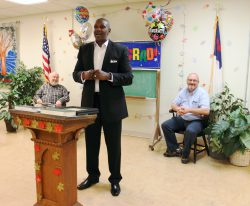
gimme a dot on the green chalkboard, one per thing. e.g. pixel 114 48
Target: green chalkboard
pixel 144 84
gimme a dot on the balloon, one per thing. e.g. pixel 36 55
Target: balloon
pixel 151 13
pixel 85 31
pixel 79 39
pixel 76 40
pixel 167 18
pixel 81 14
pixel 169 22
pixel 157 31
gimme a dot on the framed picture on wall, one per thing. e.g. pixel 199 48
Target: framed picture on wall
pixel 8 50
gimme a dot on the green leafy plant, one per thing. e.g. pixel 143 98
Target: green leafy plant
pixel 232 133
pixel 7 101
pixel 21 87
pixel 228 123
pixel 25 82
pixel 222 104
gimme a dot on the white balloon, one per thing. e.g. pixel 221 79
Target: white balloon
pixel 85 31
pixel 76 40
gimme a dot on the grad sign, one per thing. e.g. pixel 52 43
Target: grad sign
pixel 144 54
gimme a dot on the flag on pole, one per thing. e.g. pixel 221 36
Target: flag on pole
pixel 45 54
pixel 216 78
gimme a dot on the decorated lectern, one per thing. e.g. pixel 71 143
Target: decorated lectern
pixel 55 164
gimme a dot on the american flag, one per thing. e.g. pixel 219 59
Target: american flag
pixel 216 80
pixel 46 55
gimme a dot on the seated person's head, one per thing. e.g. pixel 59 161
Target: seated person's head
pixel 192 81
pixel 54 78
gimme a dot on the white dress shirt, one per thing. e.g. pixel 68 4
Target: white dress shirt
pixel 99 53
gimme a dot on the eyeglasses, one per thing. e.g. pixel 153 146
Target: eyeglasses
pixel 192 80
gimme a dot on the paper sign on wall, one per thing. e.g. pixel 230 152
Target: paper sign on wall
pixel 144 54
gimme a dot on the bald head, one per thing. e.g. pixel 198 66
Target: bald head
pixel 101 30
pixel 105 21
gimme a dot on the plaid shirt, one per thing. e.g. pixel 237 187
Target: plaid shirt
pixel 50 94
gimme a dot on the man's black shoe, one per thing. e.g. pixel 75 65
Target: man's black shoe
pixel 87 183
pixel 184 160
pixel 115 189
pixel 176 153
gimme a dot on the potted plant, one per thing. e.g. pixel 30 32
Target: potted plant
pixel 232 134
pixel 221 105
pixel 228 127
pixel 21 87
pixel 7 101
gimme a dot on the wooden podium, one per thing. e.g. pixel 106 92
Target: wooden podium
pixel 55 155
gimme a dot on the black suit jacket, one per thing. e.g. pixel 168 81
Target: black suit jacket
pixel 113 104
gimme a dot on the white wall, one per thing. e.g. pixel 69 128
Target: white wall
pixel 128 26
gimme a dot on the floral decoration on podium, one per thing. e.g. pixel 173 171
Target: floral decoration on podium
pixel 56 156
pixel 47 126
pixel 60 187
pixel 57 171
pixel 37 147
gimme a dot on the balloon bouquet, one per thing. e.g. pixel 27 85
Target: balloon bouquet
pixel 82 16
pixel 158 20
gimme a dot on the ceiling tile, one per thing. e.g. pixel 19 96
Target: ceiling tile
pixel 8 9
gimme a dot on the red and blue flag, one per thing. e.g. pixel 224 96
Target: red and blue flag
pixel 216 80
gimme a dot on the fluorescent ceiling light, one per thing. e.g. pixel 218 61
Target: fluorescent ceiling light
pixel 28 1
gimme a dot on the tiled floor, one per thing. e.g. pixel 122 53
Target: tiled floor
pixel 148 178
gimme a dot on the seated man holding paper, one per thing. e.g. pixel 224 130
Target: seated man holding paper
pixel 52 93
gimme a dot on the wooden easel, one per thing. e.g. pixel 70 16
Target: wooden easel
pixel 157 135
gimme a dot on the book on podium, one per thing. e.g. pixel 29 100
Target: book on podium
pixel 27 108
pixel 71 111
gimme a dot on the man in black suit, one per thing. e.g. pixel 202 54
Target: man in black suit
pixel 103 68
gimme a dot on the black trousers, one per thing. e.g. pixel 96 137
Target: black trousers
pixel 112 134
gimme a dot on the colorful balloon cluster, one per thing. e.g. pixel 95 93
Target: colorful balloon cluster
pixel 82 16
pixel 158 20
